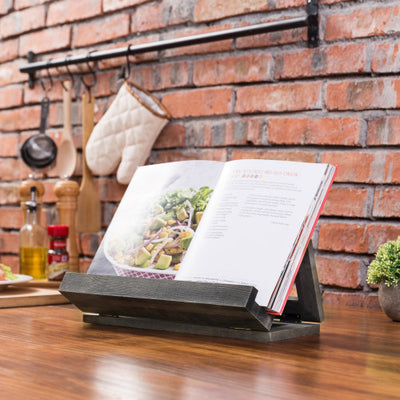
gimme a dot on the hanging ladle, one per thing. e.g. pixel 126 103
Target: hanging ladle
pixel 40 151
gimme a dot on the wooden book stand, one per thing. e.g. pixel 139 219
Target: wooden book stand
pixel 195 307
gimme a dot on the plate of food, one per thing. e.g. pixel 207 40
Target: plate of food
pixel 7 277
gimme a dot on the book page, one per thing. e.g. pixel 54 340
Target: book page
pixel 156 219
pixel 251 223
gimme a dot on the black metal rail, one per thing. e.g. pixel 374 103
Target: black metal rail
pixel 310 21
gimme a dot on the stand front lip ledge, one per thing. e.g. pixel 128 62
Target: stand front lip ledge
pixel 175 306
pixel 196 303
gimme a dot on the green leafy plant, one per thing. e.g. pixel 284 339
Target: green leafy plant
pixel 386 266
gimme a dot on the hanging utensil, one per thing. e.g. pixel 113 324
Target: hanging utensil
pixel 66 159
pixel 40 151
pixel 89 208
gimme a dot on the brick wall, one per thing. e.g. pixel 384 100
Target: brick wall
pixel 266 96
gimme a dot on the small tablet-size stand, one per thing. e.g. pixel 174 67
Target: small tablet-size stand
pixel 195 307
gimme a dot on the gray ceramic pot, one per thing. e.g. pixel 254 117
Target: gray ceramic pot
pixel 389 299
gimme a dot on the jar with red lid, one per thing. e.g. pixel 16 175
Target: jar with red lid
pixel 57 255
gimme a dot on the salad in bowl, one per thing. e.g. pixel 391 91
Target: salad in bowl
pixel 156 244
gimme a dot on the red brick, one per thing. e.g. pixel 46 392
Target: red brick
pixel 9 73
pixel 84 264
pixel 256 130
pixel 295 155
pixel 89 243
pixel 343 237
pixel 391 172
pixel 9 194
pixel 8 145
pixel 363 23
pixel 367 300
pixel 11 96
pixel 101 30
pixel 279 97
pixel 173 135
pixel 332 1
pixel 46 40
pixel 210 10
pixel 387 203
pixel 21 4
pixel 113 5
pixel 361 95
pixel 384 131
pixel 322 131
pixel 211 133
pixel 22 21
pixel 353 166
pixel 9 242
pixel 214 155
pixel 199 102
pixel 8 50
pixel 162 76
pixel 18 119
pixel 5 6
pixel 110 189
pixel 247 68
pixel 11 217
pixel 72 10
pixel 337 59
pixel 207 48
pixel 385 57
pixel 347 202
pixel 147 18
pixel 10 169
pixel 381 233
pixel 334 271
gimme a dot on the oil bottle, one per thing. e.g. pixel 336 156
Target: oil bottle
pixel 33 241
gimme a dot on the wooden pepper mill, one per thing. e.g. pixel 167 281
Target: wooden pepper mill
pixel 67 192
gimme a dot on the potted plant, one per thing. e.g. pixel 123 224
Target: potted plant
pixel 385 271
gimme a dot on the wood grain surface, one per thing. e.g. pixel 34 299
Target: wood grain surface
pixel 49 353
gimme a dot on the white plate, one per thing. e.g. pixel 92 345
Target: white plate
pixel 20 279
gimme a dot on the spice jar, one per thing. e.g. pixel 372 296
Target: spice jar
pixel 57 256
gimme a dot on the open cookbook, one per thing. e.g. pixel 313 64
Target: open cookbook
pixel 242 222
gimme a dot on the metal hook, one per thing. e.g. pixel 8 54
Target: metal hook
pixel 126 70
pixel 47 90
pixel 69 74
pixel 94 81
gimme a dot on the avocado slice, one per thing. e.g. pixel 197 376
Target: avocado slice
pixel 163 262
pixel 141 257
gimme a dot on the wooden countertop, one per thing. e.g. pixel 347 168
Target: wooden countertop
pixel 49 353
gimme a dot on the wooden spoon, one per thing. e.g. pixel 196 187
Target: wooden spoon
pixel 66 158
pixel 89 208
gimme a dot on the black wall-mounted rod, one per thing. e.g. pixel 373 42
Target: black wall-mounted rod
pixel 310 21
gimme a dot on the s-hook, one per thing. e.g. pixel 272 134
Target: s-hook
pixel 89 86
pixel 126 70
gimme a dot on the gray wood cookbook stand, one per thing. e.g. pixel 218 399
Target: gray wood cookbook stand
pixel 195 307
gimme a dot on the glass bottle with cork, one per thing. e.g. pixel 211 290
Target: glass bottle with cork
pixel 33 240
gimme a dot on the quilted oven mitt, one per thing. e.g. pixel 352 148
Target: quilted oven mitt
pixel 126 133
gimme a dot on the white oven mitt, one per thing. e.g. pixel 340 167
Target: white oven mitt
pixel 126 133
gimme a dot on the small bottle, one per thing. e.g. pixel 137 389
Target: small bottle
pixel 33 241
pixel 57 256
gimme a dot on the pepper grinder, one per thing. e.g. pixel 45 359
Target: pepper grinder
pixel 67 193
